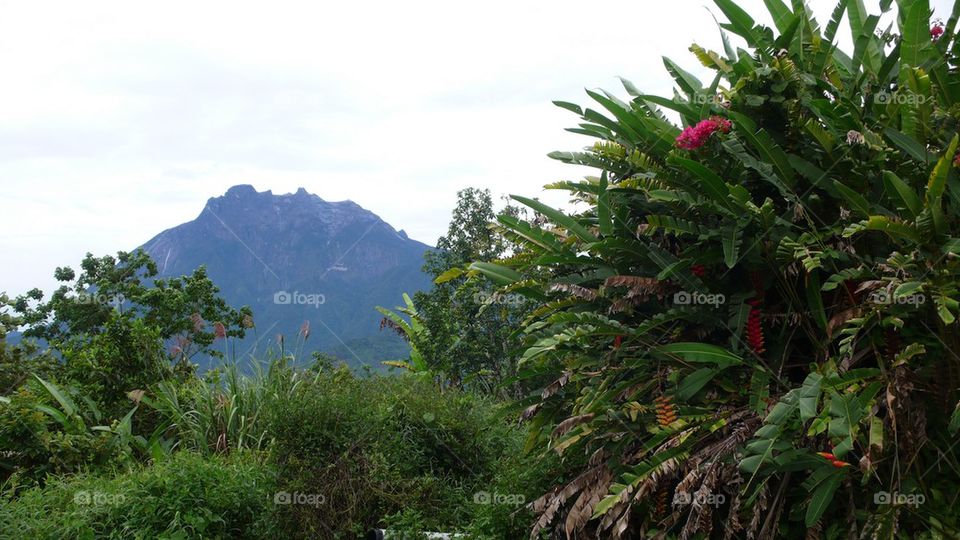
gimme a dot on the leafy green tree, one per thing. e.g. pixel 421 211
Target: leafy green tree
pixel 115 322
pixel 186 311
pixel 468 329
pixel 18 361
pixel 755 318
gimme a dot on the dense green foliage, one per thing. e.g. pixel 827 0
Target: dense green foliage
pixel 185 496
pixel 381 446
pixel 756 317
pixel 463 330
pixel 355 452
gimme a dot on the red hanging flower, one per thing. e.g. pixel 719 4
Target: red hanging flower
pixel 617 341
pixel 755 328
pixel 936 30
pixel 694 137
pixel 698 270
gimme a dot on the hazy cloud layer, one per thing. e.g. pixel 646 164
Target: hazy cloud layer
pixel 120 119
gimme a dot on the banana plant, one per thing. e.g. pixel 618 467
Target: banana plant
pixel 411 329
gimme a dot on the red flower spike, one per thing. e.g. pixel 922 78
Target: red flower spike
pixel 698 270
pixel 755 328
pixel 827 455
pixel 840 464
pixel 617 341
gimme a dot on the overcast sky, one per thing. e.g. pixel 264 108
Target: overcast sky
pixel 120 119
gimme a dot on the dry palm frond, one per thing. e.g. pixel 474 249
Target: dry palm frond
pixel 590 496
pixel 626 304
pixel 570 423
pixel 549 504
pixel 574 290
pixel 733 525
pixel 636 285
pixel 759 511
pixel 396 328
pixel 700 519
pixel 556 385
pixel 907 419
pixel 530 411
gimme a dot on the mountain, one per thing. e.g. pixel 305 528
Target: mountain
pixel 294 258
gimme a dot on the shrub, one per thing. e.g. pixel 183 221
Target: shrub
pixel 40 436
pixel 377 446
pixel 227 409
pixel 187 496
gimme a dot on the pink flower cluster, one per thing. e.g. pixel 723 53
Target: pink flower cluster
pixel 936 31
pixel 696 136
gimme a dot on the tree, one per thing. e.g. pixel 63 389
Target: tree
pixel 468 330
pixel 113 322
pixel 185 311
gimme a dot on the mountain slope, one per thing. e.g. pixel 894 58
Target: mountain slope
pixel 296 258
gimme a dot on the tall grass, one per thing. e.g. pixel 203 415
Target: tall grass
pixel 227 409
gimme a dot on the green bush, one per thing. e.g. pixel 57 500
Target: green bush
pixel 187 496
pixel 34 444
pixel 383 446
